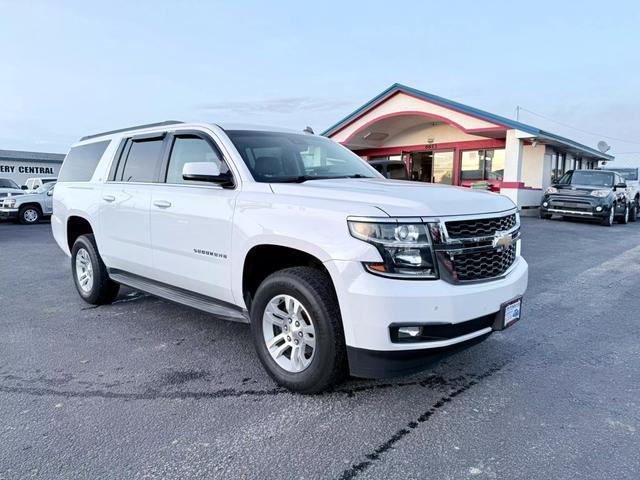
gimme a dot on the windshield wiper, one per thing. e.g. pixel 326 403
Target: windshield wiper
pixel 304 178
pixel 300 179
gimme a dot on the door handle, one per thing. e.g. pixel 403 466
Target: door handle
pixel 108 198
pixel 162 203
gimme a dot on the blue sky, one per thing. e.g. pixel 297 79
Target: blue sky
pixel 72 68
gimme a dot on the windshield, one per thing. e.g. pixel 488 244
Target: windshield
pixel 45 187
pixel 589 178
pixel 627 173
pixel 8 183
pixel 275 157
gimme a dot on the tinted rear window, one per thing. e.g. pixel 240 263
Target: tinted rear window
pixel 143 161
pixel 627 173
pixel 8 183
pixel 81 162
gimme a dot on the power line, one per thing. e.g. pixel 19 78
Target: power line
pixel 575 128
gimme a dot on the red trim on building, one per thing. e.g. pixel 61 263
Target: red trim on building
pixel 474 130
pixel 517 185
pixel 425 147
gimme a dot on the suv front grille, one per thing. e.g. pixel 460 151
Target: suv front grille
pixel 483 265
pixel 480 227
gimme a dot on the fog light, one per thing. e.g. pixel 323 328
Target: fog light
pixel 545 204
pixel 598 209
pixel 409 332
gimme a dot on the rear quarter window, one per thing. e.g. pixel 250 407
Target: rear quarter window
pixel 81 162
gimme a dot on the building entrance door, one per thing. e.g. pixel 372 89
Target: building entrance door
pixel 433 167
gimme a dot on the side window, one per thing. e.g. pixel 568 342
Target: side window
pixel 143 161
pixel 191 149
pixel 81 162
pixel 379 167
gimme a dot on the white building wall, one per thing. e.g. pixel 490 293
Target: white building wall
pixel 20 171
pixel 533 165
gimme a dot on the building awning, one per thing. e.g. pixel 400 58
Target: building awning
pixel 470 120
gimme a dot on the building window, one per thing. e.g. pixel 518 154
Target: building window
pixel 482 165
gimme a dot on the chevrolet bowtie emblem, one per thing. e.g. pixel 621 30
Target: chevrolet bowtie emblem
pixel 502 240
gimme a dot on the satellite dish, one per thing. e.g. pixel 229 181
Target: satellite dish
pixel 603 146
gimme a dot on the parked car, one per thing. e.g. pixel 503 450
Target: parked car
pixel 596 194
pixel 9 188
pixel 395 169
pixel 32 184
pixel 29 208
pixel 631 176
pixel 336 269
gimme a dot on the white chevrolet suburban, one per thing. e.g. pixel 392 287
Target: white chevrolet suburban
pixel 336 269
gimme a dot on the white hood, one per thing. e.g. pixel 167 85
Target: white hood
pixel 399 198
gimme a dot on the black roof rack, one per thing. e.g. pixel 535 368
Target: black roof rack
pixel 135 127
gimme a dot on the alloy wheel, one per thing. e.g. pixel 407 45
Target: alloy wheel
pixel 30 215
pixel 289 333
pixel 84 270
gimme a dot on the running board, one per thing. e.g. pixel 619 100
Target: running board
pixel 178 295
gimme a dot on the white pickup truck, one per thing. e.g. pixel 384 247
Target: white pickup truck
pixel 336 269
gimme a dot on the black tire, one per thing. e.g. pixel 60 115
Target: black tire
pixel 29 215
pixel 633 213
pixel 314 290
pixel 103 289
pixel 608 220
pixel 624 219
pixel 545 216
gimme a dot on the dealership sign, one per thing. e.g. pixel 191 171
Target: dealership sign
pixel 27 169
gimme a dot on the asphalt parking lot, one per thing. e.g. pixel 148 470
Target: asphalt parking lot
pixel 147 389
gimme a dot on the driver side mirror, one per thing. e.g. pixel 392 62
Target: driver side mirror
pixel 24 187
pixel 206 172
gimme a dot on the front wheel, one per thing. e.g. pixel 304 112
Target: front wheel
pixel 633 213
pixel 90 273
pixel 624 219
pixel 297 330
pixel 29 215
pixel 609 219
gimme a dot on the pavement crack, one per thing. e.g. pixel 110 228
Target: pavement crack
pixel 371 457
pixel 147 395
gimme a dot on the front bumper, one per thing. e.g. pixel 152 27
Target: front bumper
pixel 576 206
pixel 372 305
pixel 6 213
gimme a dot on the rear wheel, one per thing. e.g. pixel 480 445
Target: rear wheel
pixel 297 330
pixel 90 273
pixel 29 215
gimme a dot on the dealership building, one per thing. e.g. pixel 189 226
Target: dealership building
pixel 443 141
pixel 19 166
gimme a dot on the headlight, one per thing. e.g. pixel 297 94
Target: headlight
pixel 405 248
pixel 551 190
pixel 9 202
pixel 599 193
